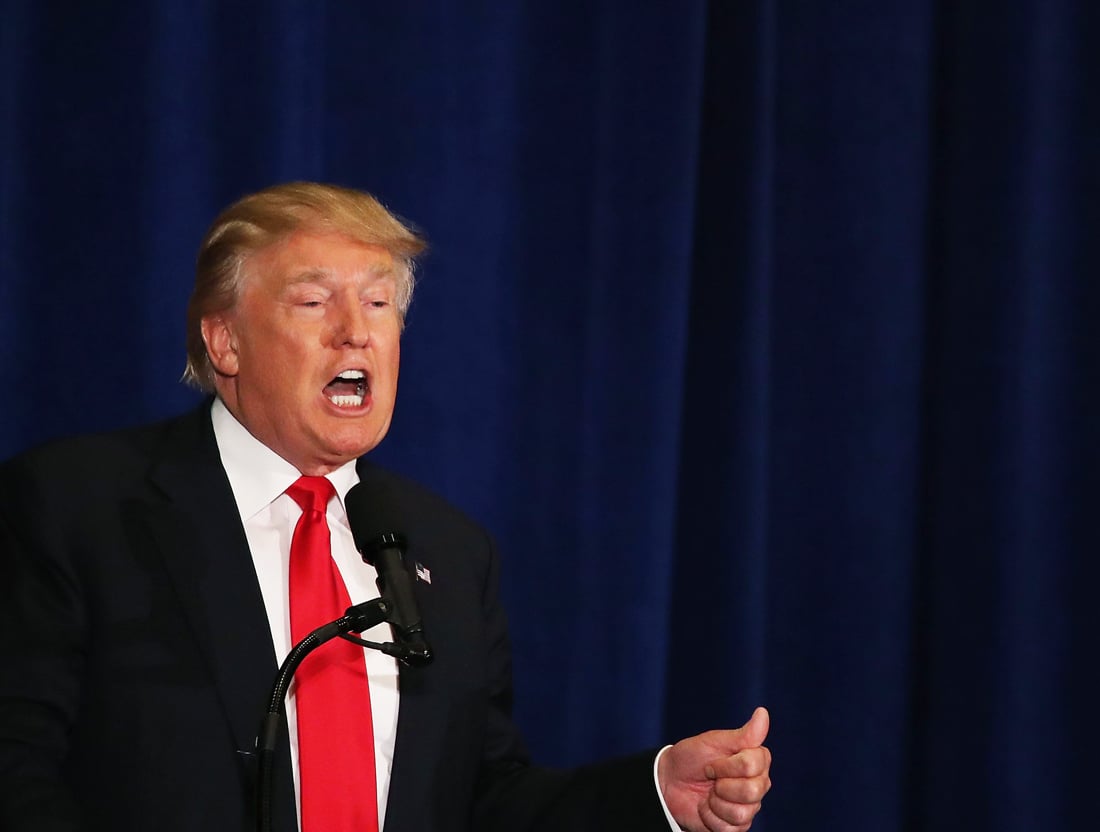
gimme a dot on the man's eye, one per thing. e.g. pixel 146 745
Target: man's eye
pixel 378 304
pixel 311 303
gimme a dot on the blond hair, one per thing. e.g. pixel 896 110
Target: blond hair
pixel 258 220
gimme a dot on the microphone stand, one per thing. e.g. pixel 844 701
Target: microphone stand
pixel 356 619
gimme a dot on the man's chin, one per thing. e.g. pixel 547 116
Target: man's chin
pixel 344 446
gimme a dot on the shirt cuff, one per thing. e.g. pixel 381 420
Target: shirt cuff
pixel 672 824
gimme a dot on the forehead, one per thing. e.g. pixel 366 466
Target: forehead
pixel 309 256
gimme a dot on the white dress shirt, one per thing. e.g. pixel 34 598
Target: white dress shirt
pixel 259 478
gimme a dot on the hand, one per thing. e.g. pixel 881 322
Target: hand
pixel 714 782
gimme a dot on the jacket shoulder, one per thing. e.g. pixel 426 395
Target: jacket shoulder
pixel 414 499
pixel 86 463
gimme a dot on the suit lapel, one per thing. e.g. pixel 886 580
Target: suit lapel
pixel 420 719
pixel 195 525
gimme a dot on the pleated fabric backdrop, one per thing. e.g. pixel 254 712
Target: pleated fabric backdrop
pixel 762 334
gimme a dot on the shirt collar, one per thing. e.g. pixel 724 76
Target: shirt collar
pixel 257 475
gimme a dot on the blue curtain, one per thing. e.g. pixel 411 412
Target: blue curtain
pixel 762 334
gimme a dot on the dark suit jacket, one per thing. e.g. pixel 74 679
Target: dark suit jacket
pixel 137 659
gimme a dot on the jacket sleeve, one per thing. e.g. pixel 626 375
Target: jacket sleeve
pixel 513 794
pixel 42 637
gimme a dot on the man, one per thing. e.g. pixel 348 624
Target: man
pixel 158 575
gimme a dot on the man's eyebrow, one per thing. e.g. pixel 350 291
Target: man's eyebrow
pixel 320 274
pixel 309 276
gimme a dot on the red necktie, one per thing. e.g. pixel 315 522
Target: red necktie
pixel 335 734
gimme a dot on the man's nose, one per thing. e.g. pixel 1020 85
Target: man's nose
pixel 351 327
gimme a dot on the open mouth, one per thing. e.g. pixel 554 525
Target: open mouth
pixel 348 389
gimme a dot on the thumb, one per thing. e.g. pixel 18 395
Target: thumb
pixel 753 733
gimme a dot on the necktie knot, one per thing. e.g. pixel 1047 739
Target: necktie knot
pixel 312 493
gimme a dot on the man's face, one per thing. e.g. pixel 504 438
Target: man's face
pixel 307 360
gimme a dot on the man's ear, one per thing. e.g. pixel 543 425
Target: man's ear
pixel 221 344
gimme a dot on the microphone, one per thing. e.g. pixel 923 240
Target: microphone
pixel 370 511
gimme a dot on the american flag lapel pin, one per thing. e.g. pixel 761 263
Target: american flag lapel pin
pixel 423 573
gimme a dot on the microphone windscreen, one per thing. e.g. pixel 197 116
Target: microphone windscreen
pixel 374 513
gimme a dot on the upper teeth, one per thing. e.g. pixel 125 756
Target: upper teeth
pixel 351 375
